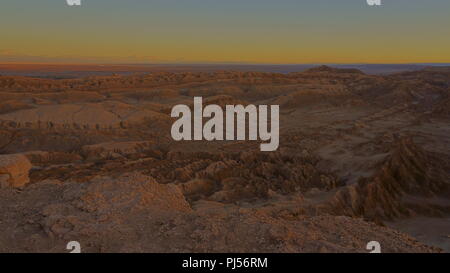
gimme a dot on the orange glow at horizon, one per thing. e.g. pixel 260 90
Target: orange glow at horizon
pixel 199 31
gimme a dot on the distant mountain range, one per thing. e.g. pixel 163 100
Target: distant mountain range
pixel 76 71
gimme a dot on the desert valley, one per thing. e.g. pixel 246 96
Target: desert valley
pixel 361 157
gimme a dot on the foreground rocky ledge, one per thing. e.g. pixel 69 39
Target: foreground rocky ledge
pixel 133 213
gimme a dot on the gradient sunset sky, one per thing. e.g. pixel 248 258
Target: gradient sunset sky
pixel 225 31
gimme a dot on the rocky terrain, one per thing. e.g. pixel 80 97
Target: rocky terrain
pixel 362 158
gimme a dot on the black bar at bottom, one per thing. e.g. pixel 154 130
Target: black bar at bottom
pixel 227 262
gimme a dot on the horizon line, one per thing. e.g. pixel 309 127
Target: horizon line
pixel 218 63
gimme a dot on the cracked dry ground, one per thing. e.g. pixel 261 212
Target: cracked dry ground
pixel 362 158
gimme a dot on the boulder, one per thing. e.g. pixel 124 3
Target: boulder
pixel 14 169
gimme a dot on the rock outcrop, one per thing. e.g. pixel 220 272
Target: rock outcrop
pixel 410 182
pixel 14 170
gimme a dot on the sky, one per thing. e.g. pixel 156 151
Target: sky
pixel 225 31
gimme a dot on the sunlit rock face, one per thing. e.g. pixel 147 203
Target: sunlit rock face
pixel 14 170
